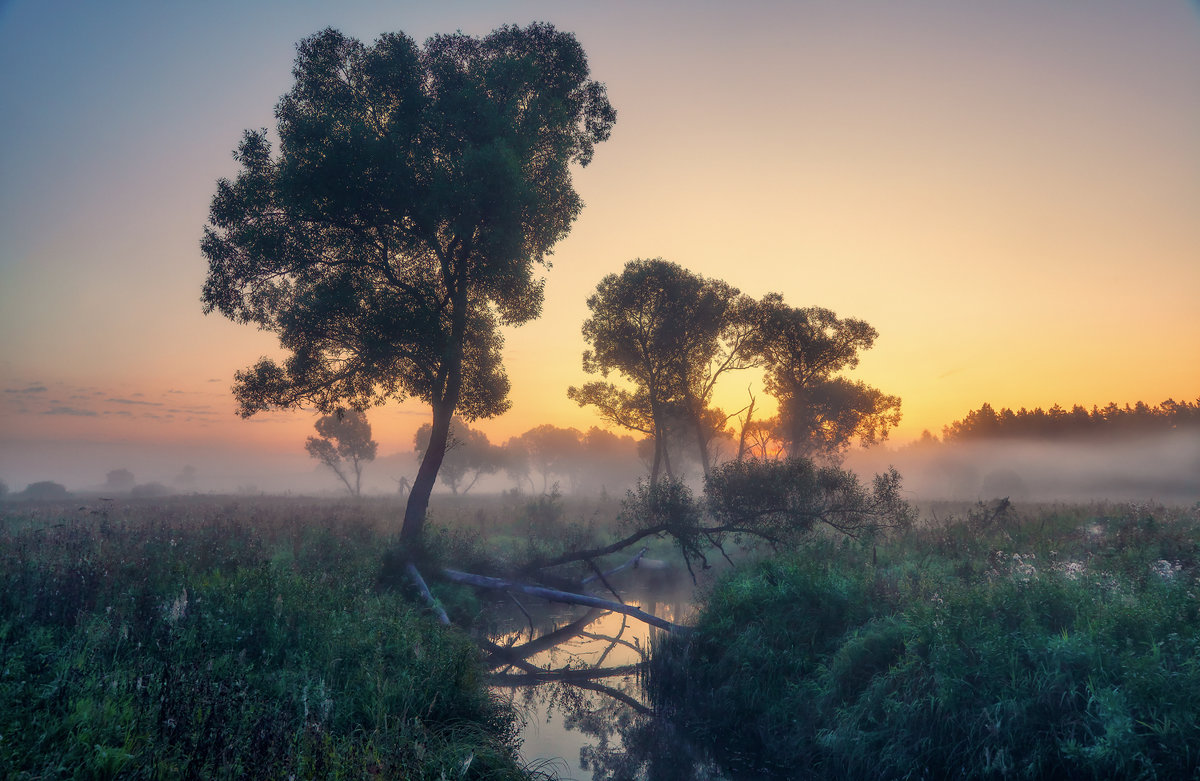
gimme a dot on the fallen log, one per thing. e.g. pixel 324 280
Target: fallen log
pixel 425 593
pixel 554 595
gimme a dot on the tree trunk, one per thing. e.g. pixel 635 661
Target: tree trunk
pixel 443 414
pixel 418 497
pixel 702 443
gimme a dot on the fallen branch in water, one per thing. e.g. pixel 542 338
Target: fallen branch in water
pixel 554 595
pixel 510 654
pixel 631 563
pixel 567 675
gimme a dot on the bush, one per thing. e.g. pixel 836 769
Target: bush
pixel 1077 661
pixel 44 491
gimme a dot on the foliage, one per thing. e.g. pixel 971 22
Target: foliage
pixel 942 654
pixel 549 450
pixel 780 500
pixel 673 334
pixel 399 225
pixel 215 639
pixel 119 480
pixel 345 439
pixel 750 502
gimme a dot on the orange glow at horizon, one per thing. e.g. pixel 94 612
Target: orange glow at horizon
pixel 1006 193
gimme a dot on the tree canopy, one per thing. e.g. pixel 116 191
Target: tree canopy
pixel 672 334
pixel 413 194
pixel 1059 423
pixel 803 350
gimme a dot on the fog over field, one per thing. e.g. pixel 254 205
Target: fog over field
pixel 1162 468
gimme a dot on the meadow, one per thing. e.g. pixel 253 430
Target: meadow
pixel 223 637
pixel 211 637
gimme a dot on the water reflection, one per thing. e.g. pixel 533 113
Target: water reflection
pixel 575 674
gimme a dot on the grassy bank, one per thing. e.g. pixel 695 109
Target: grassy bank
pixel 1056 643
pixel 203 638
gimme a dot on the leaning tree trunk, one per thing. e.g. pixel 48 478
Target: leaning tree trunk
pixel 443 414
pixel 422 487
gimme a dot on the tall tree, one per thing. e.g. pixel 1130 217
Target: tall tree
pixel 344 446
pixel 803 350
pixel 672 334
pixel 399 225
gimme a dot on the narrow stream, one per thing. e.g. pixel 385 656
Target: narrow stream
pixel 573 674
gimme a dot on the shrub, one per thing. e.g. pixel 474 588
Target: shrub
pixel 1033 665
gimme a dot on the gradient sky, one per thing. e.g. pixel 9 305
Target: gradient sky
pixel 1007 190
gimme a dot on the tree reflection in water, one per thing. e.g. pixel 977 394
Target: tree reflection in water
pixel 586 669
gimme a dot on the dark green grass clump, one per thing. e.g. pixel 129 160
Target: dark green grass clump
pixel 197 640
pixel 1065 645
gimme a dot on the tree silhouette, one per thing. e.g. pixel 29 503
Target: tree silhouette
pixel 551 450
pixel 803 350
pixel 344 446
pixel 672 334
pixel 399 225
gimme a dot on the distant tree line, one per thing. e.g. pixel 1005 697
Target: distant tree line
pixel 542 457
pixel 1077 422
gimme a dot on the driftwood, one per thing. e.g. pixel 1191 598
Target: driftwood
pixel 554 595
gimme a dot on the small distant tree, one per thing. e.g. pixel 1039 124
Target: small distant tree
pixel 514 460
pixel 551 450
pixel 3 490
pixel 119 480
pixel 344 446
pixel 469 455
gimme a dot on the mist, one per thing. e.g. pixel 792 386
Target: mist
pixel 1162 467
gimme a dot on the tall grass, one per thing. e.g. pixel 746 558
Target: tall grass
pixel 1061 643
pixel 221 639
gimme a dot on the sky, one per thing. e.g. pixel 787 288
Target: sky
pixel 1005 189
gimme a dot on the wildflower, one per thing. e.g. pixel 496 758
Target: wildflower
pixel 1166 569
pixel 178 608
